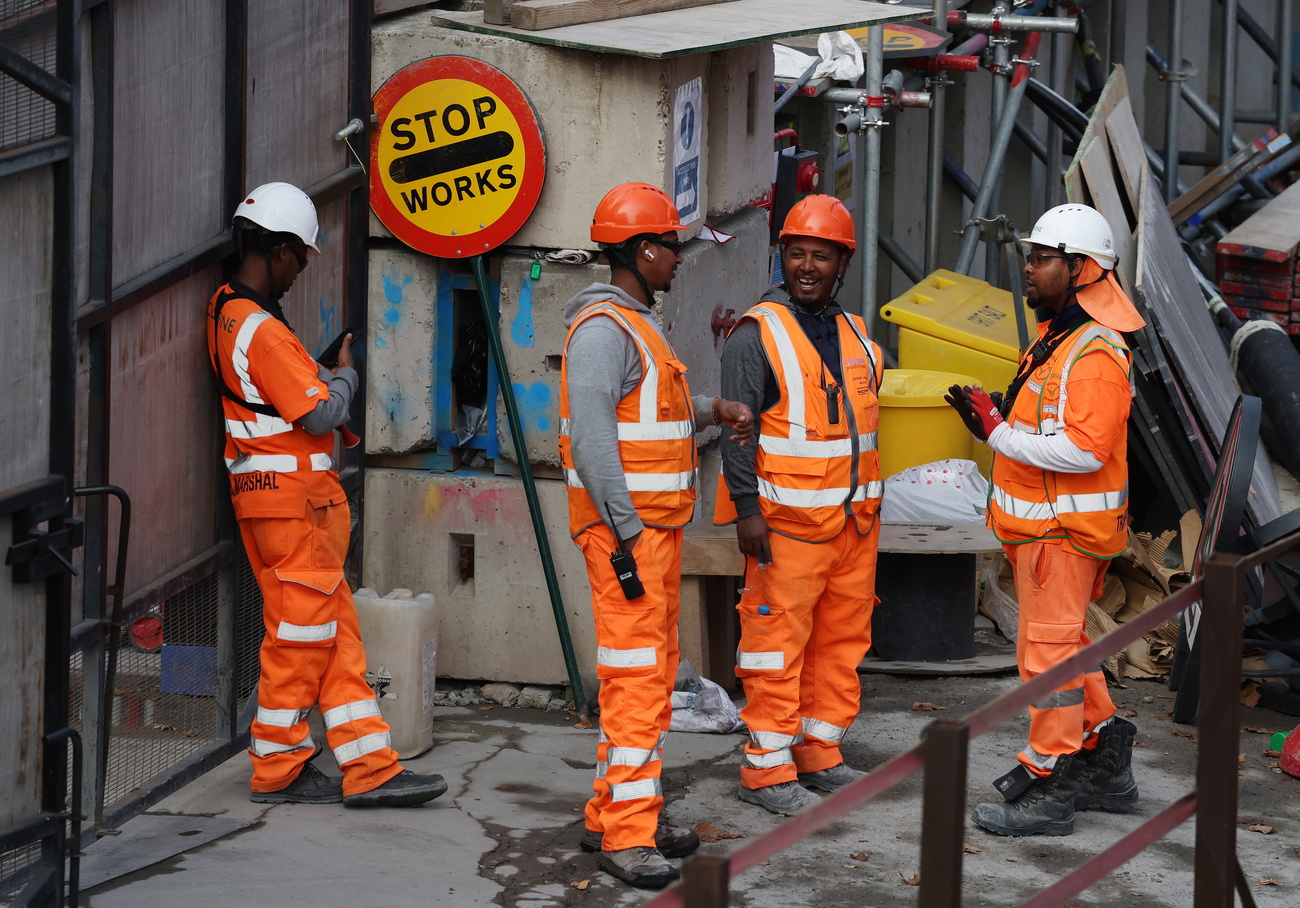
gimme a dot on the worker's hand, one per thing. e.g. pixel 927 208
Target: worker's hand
pixel 751 534
pixel 958 400
pixel 985 410
pixel 345 355
pixel 736 416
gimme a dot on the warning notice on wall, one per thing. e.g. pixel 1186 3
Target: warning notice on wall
pixel 457 161
pixel 688 128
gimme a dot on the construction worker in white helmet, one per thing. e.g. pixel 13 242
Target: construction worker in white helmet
pixel 1059 505
pixel 281 408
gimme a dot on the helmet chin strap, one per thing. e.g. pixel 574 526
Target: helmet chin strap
pixel 274 292
pixel 626 256
pixel 1073 289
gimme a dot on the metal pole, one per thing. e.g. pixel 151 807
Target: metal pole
pixel 1001 64
pixel 971 233
pixel 943 813
pixel 1228 79
pixel 1172 75
pixel 1201 107
pixel 530 488
pixel 871 177
pixel 1220 709
pixel 1284 23
pixel 934 168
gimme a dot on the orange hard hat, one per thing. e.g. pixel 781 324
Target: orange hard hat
pixel 631 209
pixel 821 216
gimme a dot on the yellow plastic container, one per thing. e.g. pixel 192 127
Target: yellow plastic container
pixel 916 425
pixel 953 323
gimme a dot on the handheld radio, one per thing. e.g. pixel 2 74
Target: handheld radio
pixel 624 564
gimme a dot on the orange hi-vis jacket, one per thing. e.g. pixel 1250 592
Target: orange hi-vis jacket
pixel 1089 510
pixel 813 470
pixel 656 432
pixel 275 466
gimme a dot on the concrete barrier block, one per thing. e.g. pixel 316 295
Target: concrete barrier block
pixel 712 279
pixel 739 89
pixel 400 337
pixel 532 335
pixel 498 624
pixel 582 99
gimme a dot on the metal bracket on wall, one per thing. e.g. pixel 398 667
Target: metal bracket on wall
pixel 37 553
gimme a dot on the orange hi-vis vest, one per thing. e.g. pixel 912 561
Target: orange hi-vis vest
pixel 275 466
pixel 814 471
pixel 656 432
pixel 1027 503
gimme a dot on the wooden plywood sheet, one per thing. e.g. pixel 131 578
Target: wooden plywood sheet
pixel 540 14
pixel 695 31
pixel 1272 233
pixel 1174 303
pixel 1100 178
pixel 1127 147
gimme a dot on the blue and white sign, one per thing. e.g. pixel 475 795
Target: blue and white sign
pixel 688 129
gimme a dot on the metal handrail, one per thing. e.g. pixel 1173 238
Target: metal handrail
pixel 942 755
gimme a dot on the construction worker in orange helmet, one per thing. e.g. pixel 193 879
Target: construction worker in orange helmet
pixel 805 502
pixel 1059 505
pixel 627 444
pixel 281 408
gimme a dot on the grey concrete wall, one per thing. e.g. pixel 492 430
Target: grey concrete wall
pixel 498 626
pixel 740 127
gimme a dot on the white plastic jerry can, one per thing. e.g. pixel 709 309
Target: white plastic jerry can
pixel 400 634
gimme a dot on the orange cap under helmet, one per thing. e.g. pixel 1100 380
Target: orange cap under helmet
pixel 821 216
pixel 631 209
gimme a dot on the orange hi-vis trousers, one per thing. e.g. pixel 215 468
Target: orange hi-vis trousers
pixel 804 628
pixel 311 654
pixel 1054 584
pixel 636 662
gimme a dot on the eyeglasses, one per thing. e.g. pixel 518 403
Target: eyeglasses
pixel 673 246
pixel 1039 259
pixel 299 255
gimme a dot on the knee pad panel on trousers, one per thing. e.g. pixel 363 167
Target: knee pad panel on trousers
pixel 309 608
pixel 1047 645
pixel 764 639
pixel 636 627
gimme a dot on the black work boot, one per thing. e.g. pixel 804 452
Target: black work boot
pixel 1045 807
pixel 1107 779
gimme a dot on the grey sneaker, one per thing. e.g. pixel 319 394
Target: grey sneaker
pixel 786 798
pixel 643 867
pixel 406 789
pixel 310 787
pixel 671 841
pixel 831 780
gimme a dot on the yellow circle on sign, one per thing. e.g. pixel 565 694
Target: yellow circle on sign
pixel 451 158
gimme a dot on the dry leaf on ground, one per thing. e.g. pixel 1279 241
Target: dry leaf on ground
pixel 1257 731
pixel 584 722
pixel 1272 753
pixel 484 709
pixel 1241 758
pixel 971 849
pixel 860 856
pixel 711 832
pixel 849 866
pixel 1267 881
pixel 1130 713
pixel 1041 854
pixel 1183 734
pixel 580 884
pixel 512 786
pixel 914 881
pixel 924 707
pixel 1264 830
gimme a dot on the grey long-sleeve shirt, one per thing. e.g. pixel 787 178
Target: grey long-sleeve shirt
pixel 332 412
pixel 602 366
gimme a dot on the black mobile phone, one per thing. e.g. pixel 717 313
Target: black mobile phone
pixel 329 357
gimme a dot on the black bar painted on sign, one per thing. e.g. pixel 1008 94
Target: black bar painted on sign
pixel 425 164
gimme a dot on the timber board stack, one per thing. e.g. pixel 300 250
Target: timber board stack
pixel 1258 272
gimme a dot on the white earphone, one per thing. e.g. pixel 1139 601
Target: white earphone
pixel 650 255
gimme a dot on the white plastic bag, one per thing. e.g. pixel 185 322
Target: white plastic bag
pixel 946 491
pixel 840 56
pixel 700 705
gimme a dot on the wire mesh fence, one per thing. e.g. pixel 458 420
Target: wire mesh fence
pixel 27 29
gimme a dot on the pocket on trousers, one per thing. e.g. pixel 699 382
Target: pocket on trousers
pixel 629 640
pixel 1047 645
pixel 309 607
pixel 763 639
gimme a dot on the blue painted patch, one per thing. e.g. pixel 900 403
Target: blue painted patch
pixel 394 292
pixel 535 403
pixel 380 342
pixel 521 331
pixel 330 329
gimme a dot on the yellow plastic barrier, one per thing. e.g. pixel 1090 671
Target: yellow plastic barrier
pixel 916 425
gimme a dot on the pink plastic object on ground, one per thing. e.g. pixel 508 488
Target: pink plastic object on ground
pixel 1290 761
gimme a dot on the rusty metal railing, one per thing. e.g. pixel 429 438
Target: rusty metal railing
pixel 942 756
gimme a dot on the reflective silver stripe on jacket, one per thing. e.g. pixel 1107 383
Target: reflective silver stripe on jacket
pixel 350 712
pixel 630 756
pixel 1061 698
pixel 262 427
pixel 674 430
pixel 834 447
pixel 1091 502
pixel 817 498
pixel 1019 508
pixel 823 731
pixel 239 356
pixel 759 661
pixel 306 633
pixel 281 718
pixel 641 657
pixel 366 744
pixel 631 791
pixel 767 761
pixel 797 416
pixel 264 748
pixel 773 740
pixel 644 482
pixel 277 463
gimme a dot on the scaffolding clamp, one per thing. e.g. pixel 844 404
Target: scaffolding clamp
pixel 1000 230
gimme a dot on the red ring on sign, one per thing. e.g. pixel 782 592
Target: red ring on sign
pixel 506 225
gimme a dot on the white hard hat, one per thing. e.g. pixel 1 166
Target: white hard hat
pixel 1078 229
pixel 282 208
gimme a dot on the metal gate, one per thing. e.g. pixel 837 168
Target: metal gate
pixel 129 130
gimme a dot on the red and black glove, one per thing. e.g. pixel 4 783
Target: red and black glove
pixel 985 410
pixel 957 399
